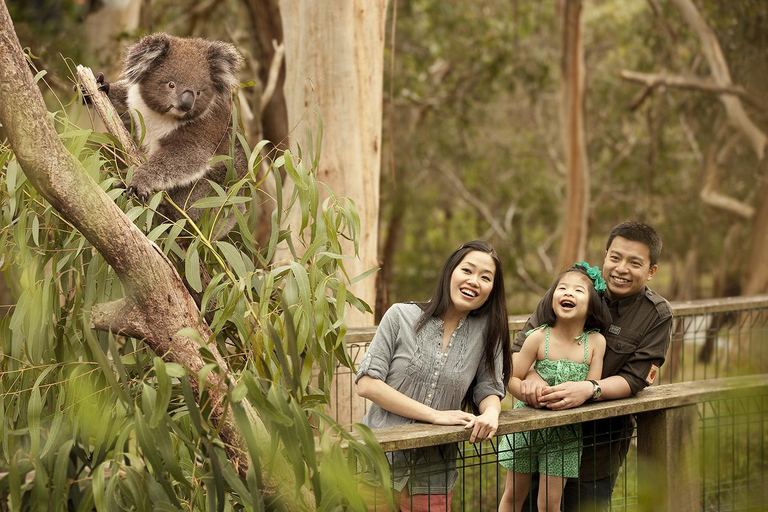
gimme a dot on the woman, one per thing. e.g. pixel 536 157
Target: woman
pixel 432 361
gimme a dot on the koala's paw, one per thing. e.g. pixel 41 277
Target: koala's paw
pixel 143 191
pixel 103 86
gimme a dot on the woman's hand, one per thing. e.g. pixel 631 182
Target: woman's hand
pixel 484 426
pixel 452 417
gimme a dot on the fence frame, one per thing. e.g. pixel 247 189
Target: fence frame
pixel 667 432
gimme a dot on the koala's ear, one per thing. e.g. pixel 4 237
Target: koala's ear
pixel 142 56
pixel 224 60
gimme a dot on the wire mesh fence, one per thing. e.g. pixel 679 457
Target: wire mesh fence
pixel 711 340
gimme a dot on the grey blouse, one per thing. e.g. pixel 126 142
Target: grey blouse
pixel 415 365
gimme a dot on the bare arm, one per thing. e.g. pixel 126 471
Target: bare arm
pixel 521 369
pixel 597 341
pixel 386 397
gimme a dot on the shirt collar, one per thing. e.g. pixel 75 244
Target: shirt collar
pixel 624 304
pixel 439 321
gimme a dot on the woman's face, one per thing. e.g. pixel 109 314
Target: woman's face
pixel 472 281
pixel 571 297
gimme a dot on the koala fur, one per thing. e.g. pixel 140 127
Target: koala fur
pixel 183 89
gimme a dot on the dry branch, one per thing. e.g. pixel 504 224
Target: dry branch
pixel 691 83
pixel 274 74
pixel 108 114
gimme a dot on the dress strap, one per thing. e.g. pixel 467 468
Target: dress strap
pixel 535 329
pixel 584 338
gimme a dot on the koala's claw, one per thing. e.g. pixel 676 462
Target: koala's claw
pixel 102 85
pixel 142 196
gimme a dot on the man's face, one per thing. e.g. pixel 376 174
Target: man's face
pixel 627 267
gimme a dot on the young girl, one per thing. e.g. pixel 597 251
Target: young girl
pixel 427 360
pixel 567 347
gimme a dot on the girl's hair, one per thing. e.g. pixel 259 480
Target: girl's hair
pixel 495 308
pixel 598 315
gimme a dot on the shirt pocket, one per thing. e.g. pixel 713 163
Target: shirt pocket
pixel 625 342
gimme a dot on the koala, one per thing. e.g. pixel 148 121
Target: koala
pixel 182 87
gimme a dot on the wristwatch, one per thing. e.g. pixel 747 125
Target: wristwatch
pixel 596 390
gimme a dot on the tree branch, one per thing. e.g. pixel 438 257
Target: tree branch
pixel 653 81
pixel 479 205
pixel 722 76
pixel 274 74
pixel 709 193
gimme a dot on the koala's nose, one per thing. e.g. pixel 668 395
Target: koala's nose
pixel 186 101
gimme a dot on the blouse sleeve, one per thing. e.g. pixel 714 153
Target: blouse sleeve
pixel 489 383
pixel 378 358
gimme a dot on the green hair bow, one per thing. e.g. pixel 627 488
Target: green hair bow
pixel 595 275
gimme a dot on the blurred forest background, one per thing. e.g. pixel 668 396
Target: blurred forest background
pixel 472 142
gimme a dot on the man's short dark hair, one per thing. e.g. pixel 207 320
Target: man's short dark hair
pixel 638 232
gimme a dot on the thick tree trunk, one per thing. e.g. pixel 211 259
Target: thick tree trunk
pixel 576 211
pixel 157 305
pixel 334 53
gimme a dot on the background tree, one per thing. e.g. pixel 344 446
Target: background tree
pixel 335 57
pixel 576 208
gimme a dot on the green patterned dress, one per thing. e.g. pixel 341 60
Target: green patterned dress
pixel 552 451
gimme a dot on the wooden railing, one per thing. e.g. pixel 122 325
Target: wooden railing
pixel 668 433
pixel 671 418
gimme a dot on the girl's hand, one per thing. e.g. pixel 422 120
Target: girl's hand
pixel 452 417
pixel 532 389
pixel 484 426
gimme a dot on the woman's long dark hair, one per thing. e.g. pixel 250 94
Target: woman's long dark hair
pixel 598 315
pixel 495 308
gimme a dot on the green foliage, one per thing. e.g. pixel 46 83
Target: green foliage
pixel 90 420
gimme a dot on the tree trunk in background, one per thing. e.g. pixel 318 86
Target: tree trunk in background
pixel 393 237
pixel 574 241
pixel 334 55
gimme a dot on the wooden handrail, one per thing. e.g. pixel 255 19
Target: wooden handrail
pixel 356 335
pixel 419 435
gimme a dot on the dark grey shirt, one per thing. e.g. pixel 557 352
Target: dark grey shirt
pixel 415 365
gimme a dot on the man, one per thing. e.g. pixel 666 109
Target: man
pixel 636 345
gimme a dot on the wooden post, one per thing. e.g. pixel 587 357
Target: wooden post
pixel 667 459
